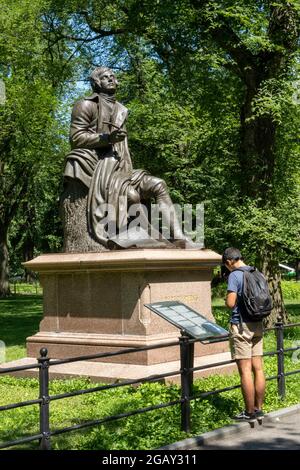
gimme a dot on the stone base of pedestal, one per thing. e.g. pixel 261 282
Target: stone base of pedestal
pixel 112 372
pixel 61 345
pixel 94 302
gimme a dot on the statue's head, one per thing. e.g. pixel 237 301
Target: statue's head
pixel 103 80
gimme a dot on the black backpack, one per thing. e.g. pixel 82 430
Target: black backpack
pixel 256 298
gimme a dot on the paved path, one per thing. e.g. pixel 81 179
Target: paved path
pixel 280 431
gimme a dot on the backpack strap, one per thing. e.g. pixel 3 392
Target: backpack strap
pixel 244 271
pixel 253 268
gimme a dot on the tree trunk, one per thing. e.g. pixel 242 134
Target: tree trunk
pixel 28 250
pixel 268 264
pixel 298 270
pixel 4 263
pixel 73 208
pixel 257 158
pixel 257 148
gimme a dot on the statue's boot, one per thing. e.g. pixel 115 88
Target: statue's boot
pixel 169 216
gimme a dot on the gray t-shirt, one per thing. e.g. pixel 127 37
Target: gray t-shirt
pixel 235 284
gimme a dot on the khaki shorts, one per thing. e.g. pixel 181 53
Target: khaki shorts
pixel 246 340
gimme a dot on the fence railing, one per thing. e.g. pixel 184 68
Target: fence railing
pixel 186 371
pixel 25 288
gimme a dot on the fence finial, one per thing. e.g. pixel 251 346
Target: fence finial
pixel 43 352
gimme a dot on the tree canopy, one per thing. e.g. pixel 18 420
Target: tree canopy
pixel 213 90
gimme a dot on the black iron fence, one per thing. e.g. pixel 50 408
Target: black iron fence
pixel 186 371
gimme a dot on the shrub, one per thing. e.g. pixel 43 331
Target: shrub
pixel 290 290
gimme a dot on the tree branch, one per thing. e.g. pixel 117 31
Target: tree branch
pixel 284 26
pixel 98 29
pixel 103 33
pixel 225 36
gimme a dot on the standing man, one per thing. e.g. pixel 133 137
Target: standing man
pixel 246 339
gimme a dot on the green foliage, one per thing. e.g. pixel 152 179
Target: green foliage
pixel 203 53
pixel 261 226
pixel 290 290
pixel 25 288
pixel 209 85
pixel 33 131
pixel 222 313
pixel 167 136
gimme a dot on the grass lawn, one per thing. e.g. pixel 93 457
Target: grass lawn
pixel 20 316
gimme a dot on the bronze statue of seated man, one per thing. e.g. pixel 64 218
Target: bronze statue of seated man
pixel 100 183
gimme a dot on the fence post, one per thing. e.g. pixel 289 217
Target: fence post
pixel 280 360
pixel 185 357
pixel 45 443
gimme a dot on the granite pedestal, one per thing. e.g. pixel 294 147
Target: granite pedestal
pixel 94 302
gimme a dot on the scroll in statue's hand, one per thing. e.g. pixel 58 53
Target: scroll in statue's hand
pixel 117 135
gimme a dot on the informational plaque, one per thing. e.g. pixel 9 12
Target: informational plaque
pixel 187 319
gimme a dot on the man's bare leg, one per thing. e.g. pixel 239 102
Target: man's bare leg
pixel 247 385
pixel 259 381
